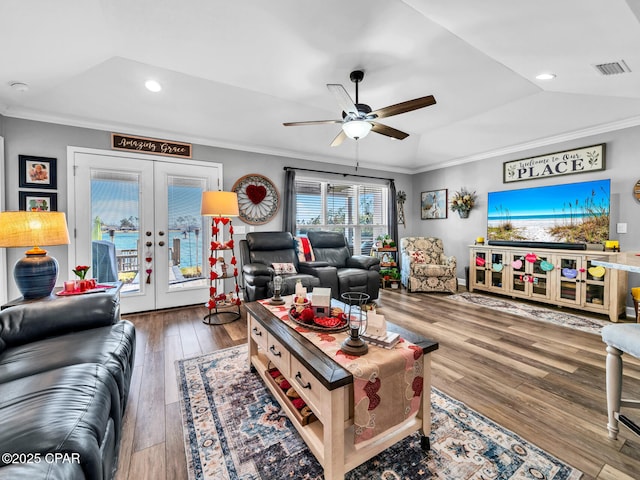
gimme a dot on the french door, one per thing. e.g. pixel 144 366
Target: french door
pixel 138 220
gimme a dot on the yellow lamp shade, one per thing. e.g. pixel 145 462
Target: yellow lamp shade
pixel 28 229
pixel 219 204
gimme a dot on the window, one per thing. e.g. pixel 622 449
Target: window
pixel 359 212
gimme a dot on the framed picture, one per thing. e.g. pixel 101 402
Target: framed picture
pixel 433 204
pixel 37 172
pixel 38 201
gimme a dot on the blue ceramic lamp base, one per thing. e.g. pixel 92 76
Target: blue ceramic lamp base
pixel 36 275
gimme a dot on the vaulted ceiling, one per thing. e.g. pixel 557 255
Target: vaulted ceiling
pixel 233 71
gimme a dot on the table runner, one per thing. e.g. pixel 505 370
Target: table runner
pixel 387 383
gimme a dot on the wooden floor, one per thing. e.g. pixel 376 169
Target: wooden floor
pixel 544 382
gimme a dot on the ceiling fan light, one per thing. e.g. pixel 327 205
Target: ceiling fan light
pixel 356 129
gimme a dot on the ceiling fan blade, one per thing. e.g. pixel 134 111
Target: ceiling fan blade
pixel 339 139
pixel 404 107
pixel 343 98
pixel 388 131
pixel 312 122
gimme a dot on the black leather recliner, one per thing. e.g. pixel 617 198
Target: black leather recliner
pixel 258 252
pixel 338 269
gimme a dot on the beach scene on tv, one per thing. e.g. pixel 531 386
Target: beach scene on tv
pixel 570 213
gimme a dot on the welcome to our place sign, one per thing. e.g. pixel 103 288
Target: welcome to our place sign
pixel 150 145
pixel 581 160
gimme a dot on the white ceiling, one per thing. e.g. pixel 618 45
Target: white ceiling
pixel 234 71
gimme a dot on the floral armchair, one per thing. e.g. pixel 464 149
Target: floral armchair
pixel 425 267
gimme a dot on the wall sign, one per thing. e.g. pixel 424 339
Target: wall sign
pixel 150 145
pixel 581 160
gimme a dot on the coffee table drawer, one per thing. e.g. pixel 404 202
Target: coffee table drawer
pixel 258 333
pixel 308 387
pixel 278 355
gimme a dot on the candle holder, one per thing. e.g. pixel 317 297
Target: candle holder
pixel 277 288
pixel 357 318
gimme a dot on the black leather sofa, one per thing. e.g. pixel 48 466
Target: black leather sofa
pixel 345 272
pixel 65 371
pixel 258 252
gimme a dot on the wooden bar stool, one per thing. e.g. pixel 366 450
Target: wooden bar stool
pixel 620 338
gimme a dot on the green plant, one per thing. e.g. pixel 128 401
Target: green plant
pixel 392 273
pixel 386 240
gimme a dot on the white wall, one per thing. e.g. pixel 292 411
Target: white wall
pixel 622 167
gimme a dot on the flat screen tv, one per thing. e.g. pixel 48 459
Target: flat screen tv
pixel 568 214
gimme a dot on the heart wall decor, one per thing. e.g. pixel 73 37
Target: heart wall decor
pixel 256 193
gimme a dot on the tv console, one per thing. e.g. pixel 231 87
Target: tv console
pixel 561 277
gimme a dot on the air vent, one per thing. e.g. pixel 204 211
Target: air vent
pixel 613 68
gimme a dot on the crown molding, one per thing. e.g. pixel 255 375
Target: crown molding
pixel 292 154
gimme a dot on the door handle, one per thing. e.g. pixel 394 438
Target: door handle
pixel 161 243
pixel 148 244
pixel 161 233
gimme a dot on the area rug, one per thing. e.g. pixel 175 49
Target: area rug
pixel 235 430
pixel 570 320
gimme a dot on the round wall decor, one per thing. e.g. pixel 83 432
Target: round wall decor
pixel 636 191
pixel 258 198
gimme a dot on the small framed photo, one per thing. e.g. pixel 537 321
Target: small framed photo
pixel 433 204
pixel 38 201
pixel 38 172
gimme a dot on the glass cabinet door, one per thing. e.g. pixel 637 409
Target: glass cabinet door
pixel 596 288
pixel 539 276
pixel 568 273
pixel 480 272
pixel 497 269
pixel 518 273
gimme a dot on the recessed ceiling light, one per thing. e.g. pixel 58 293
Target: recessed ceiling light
pixel 546 76
pixel 153 86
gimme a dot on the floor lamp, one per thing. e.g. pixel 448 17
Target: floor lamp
pixel 223 307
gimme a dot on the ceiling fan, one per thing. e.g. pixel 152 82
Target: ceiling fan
pixel 358 119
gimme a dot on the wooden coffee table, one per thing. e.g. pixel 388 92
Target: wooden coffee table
pixel 327 388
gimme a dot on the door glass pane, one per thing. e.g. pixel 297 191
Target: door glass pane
pixel 186 232
pixel 115 236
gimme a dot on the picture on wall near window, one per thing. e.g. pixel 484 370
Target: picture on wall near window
pixel 433 204
pixel 37 172
pixel 38 201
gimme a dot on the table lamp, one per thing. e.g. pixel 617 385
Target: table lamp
pixel 36 274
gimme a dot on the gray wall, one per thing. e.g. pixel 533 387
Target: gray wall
pixel 26 137
pixel 51 140
pixel 485 176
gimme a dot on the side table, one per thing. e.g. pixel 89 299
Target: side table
pixel 57 298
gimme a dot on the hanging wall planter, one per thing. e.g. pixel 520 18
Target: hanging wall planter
pixel 462 202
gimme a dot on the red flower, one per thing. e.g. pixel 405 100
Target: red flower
pixel 81 271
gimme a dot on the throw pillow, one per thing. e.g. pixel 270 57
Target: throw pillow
pixel 305 252
pixel 284 268
pixel 418 256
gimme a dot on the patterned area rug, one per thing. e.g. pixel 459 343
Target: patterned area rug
pixel 234 429
pixel 578 322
